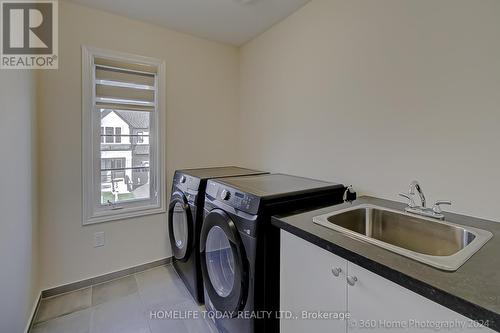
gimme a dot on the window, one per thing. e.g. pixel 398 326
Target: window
pixel 112 171
pixel 123 135
pixel 118 135
pixel 140 137
pixel 109 135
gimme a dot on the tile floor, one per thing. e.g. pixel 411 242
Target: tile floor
pixel 124 305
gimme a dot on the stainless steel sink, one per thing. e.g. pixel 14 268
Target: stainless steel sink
pixel 440 244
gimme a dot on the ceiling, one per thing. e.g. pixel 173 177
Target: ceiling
pixel 229 21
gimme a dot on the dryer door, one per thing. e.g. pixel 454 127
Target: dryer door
pixel 180 225
pixel 224 263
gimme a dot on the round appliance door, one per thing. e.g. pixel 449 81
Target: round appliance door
pixel 223 263
pixel 180 220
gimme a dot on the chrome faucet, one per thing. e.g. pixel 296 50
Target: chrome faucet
pixel 414 185
pixel 434 212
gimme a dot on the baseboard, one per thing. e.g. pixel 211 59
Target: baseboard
pixel 103 278
pixel 34 312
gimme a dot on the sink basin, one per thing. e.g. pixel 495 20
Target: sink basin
pixel 440 244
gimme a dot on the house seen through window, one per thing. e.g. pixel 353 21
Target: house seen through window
pixel 125 159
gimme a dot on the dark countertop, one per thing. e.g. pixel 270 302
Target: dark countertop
pixel 473 290
pixel 277 185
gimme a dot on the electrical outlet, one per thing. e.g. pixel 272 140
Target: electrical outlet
pixel 99 239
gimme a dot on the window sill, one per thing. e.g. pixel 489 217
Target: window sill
pixel 123 214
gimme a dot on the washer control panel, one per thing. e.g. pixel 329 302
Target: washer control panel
pixel 232 197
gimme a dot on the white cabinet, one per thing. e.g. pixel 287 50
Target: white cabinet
pixel 374 303
pixel 379 305
pixel 309 285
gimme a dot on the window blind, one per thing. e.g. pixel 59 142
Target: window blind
pixel 124 86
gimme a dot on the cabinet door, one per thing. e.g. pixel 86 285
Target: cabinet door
pixel 308 286
pixel 379 305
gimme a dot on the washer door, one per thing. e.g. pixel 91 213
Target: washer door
pixel 180 225
pixel 224 263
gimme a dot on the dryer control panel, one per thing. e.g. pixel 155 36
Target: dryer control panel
pixel 238 200
pixel 188 185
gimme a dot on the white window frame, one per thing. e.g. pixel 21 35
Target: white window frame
pixel 93 210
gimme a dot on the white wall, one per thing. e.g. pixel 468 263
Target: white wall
pixel 378 93
pixel 19 287
pixel 373 93
pixel 202 93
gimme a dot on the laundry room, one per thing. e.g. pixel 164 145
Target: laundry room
pixel 241 166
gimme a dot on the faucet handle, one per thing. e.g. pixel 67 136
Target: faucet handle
pixel 349 194
pixel 411 202
pixel 437 206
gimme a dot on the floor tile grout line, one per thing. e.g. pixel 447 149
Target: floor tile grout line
pixel 90 306
pixel 143 303
pixel 209 323
pixel 64 314
pixel 186 291
pixel 185 288
pixel 135 276
pixel 81 284
pixel 96 284
pixel 91 321
pixel 91 295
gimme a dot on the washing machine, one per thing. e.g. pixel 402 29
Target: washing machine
pixel 239 248
pixel 185 218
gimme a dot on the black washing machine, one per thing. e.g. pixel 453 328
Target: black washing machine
pixel 240 248
pixel 185 218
